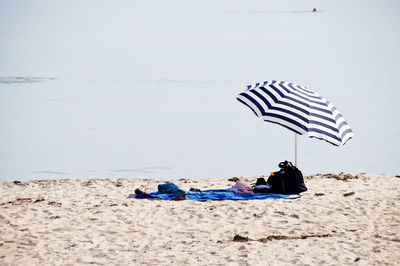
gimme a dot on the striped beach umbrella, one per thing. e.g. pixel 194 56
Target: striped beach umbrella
pixel 299 109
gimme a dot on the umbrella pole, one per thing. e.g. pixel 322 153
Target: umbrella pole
pixel 295 149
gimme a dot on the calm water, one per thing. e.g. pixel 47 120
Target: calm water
pixel 148 88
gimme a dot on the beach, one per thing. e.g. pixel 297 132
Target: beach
pixel 341 220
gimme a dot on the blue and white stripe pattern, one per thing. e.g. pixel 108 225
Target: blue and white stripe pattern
pixel 298 109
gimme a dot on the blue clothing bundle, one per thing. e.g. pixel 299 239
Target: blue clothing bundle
pixel 169 188
pixel 172 192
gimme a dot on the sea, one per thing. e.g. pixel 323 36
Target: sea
pixel 147 89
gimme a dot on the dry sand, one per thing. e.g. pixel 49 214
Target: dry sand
pixel 336 222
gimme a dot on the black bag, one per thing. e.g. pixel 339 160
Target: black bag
pixel 288 180
pixel 262 186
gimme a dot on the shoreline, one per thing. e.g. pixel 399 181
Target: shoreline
pixel 341 219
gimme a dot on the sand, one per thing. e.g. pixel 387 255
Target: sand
pixel 340 220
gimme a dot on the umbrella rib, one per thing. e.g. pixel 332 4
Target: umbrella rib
pixel 287 119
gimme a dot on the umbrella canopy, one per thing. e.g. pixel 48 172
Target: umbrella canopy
pixel 298 109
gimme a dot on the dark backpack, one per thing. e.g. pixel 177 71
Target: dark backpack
pixel 288 180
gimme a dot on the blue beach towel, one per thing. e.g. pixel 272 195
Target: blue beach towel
pixel 214 194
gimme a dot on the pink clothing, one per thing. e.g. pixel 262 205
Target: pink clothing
pixel 241 187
